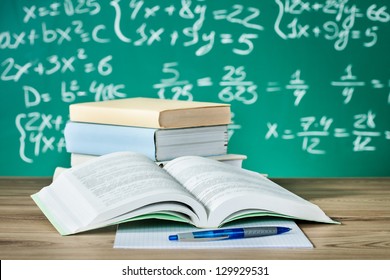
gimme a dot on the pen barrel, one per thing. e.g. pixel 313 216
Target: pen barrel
pixel 230 233
pixel 256 232
pixel 220 234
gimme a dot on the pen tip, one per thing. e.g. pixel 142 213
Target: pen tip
pixel 173 237
pixel 283 229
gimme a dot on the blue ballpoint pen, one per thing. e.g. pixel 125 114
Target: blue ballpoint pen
pixel 230 233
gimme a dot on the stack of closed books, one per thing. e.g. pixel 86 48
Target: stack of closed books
pixel 160 129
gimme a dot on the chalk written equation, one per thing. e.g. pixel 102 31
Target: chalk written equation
pixel 259 56
pixel 15 68
pixel 69 90
pixel 195 12
pixel 342 26
pixel 236 87
pixel 39 134
pixel 349 82
pixel 296 84
pixel 193 35
pixel 314 129
pixel 289 22
pixel 234 83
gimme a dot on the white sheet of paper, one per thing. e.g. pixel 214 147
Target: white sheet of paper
pixel 153 234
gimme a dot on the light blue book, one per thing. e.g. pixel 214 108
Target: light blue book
pixel 157 144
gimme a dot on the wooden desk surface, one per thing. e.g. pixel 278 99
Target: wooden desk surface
pixel 362 205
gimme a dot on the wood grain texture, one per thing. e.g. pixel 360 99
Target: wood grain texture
pixel 361 205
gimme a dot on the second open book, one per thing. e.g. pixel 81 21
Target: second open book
pixel 127 186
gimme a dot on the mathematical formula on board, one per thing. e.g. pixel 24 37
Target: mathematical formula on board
pixel 341 26
pixel 362 138
pixel 203 30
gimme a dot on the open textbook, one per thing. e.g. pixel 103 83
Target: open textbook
pixel 127 186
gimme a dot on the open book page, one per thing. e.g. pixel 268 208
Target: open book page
pixel 105 190
pixel 229 192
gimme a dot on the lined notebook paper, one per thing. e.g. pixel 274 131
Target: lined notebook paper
pixel 150 234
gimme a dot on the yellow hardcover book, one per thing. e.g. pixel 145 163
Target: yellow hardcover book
pixel 151 112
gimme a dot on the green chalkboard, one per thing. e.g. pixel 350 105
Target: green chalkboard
pixel 308 81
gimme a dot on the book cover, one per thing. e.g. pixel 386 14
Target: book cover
pixel 151 112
